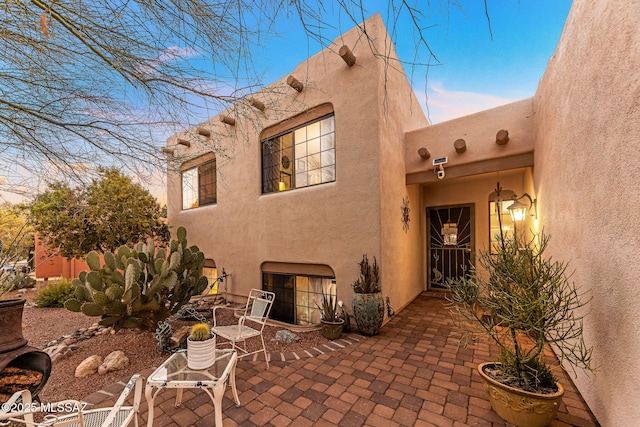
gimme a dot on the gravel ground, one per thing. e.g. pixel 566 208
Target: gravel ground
pixel 42 325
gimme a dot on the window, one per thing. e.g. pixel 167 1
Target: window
pixel 211 273
pixel 199 185
pixel 297 296
pixel 300 157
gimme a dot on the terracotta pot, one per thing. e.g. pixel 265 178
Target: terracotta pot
pixel 518 407
pixel 201 354
pixel 332 330
pixel 368 310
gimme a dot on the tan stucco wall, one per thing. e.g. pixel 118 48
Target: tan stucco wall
pixel 587 172
pixel 334 223
pixel 479 132
pixel 401 252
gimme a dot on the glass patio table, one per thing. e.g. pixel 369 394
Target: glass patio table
pixel 174 373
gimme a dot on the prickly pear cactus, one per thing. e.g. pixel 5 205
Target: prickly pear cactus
pixel 139 287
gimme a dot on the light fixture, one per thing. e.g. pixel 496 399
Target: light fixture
pixel 519 210
pixel 281 185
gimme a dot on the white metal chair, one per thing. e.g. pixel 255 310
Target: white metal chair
pixel 255 314
pixel 70 412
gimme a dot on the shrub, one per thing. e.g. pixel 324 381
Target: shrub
pixel 54 294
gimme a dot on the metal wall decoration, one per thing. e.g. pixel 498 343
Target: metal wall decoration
pixel 405 214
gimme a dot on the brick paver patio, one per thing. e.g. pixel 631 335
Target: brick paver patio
pixel 412 374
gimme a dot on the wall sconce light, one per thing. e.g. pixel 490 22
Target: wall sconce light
pixel 281 185
pixel 519 210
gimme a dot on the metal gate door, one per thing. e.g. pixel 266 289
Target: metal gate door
pixel 450 243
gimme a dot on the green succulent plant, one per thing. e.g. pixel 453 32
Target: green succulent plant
pixel 139 287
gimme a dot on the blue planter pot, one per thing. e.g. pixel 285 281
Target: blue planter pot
pixel 368 310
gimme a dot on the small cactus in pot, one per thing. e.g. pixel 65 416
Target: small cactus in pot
pixel 200 332
pixel 201 347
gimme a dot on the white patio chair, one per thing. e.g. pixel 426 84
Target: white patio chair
pixel 250 324
pixel 114 416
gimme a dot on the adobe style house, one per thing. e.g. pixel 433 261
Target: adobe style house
pixel 337 161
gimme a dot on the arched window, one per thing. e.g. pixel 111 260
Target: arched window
pixel 298 289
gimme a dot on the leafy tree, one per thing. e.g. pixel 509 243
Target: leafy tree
pixel 16 237
pixel 16 242
pixel 111 212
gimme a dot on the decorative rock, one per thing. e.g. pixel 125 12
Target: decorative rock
pixel 179 338
pixel 58 352
pixel 286 336
pixel 88 366
pixel 114 361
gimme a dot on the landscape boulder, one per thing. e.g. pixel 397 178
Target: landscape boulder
pixel 88 366
pixel 114 361
pixel 286 336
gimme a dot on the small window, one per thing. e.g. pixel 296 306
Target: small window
pixel 199 185
pixel 211 273
pixel 301 157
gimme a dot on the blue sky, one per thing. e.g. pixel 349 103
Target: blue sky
pixel 475 72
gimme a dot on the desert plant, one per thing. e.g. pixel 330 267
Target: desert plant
pixel 200 332
pixel 54 294
pixel 369 280
pixel 329 308
pixel 137 288
pixel 525 302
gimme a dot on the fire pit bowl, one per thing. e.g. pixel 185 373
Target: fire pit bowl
pixel 21 366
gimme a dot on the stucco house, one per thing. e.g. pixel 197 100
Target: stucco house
pixel 336 160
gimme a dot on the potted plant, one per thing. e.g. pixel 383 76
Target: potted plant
pixel 525 303
pixel 201 347
pixel 368 304
pixel 332 322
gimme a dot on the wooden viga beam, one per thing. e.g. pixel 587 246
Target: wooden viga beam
pixel 347 56
pixel 204 132
pixel 256 104
pixel 227 120
pixel 295 83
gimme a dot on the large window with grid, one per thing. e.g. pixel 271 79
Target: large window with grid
pixel 300 157
pixel 199 185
